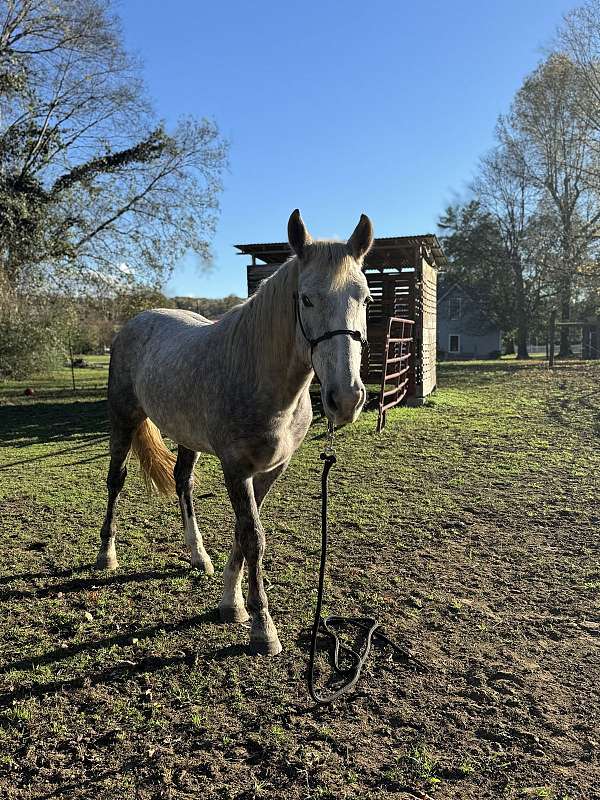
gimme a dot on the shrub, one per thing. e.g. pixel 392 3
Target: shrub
pixel 32 336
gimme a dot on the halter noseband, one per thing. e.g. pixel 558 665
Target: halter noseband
pixel 356 335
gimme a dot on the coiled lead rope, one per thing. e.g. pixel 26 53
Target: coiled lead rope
pixel 351 673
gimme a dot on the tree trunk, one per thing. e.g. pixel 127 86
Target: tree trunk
pixel 522 336
pixel 565 315
pixel 522 317
pixel 565 290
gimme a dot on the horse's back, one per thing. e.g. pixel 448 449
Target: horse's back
pixel 151 366
pixel 152 340
pixel 157 326
pixel 159 319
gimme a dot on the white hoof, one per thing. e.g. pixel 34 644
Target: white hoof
pixel 107 560
pixel 233 614
pixel 204 564
pixel 264 640
pixel 265 647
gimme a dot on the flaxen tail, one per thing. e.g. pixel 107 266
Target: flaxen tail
pixel 156 461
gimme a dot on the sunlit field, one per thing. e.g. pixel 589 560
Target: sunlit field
pixel 469 527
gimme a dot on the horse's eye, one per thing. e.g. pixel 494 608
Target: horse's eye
pixel 306 301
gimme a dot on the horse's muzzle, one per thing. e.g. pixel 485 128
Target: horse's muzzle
pixel 343 405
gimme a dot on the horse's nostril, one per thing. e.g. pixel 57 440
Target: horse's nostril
pixel 331 400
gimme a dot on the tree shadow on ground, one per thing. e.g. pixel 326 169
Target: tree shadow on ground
pixel 36 423
pixel 115 674
pixel 123 670
pixel 90 441
pixel 94 776
pixel 476 368
pixel 95 582
pixel 32 576
pixel 120 639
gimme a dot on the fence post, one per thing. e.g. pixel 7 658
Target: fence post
pixel 551 336
pixel 71 360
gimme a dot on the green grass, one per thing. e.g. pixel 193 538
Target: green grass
pixel 89 380
pixel 468 527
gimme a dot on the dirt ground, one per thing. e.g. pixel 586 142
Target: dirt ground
pixel 469 527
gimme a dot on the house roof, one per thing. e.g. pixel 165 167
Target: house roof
pixel 446 287
pixel 392 251
pixel 450 286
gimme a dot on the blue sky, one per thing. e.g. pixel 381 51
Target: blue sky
pixel 336 108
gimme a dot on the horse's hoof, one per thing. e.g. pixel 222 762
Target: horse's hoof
pixel 105 562
pixel 265 647
pixel 233 614
pixel 203 565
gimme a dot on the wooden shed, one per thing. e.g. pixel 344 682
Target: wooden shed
pixel 402 275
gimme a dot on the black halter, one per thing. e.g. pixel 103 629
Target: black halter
pixel 356 335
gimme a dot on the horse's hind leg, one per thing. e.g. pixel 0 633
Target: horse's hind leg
pixel 184 484
pixel 120 445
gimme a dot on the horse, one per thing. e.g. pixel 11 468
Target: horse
pixel 239 388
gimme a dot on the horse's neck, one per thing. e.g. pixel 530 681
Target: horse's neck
pixel 265 334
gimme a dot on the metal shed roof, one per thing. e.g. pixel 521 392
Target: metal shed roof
pixel 392 251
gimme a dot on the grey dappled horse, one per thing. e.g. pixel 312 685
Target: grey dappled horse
pixel 239 388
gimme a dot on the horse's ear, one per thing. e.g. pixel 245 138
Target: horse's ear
pixel 298 237
pixel 361 240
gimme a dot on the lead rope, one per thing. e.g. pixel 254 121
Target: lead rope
pixel 352 672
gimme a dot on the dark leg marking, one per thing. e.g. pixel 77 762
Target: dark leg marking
pixel 184 485
pixel 231 607
pixel 120 444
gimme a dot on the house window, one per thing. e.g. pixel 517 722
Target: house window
pixel 454 307
pixel 454 344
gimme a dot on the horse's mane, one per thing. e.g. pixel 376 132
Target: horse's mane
pixel 267 319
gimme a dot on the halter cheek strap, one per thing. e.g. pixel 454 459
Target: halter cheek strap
pixel 356 335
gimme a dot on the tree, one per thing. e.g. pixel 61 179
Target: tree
pixel 209 307
pixel 579 39
pixel 32 336
pixel 473 245
pixel 505 193
pixel 497 244
pixel 546 133
pixel 92 187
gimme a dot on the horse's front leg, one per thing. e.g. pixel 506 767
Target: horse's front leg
pixel 250 544
pixel 232 607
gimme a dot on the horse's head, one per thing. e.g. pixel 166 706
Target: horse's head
pixel 332 313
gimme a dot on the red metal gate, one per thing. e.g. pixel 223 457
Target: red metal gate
pixel 396 372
